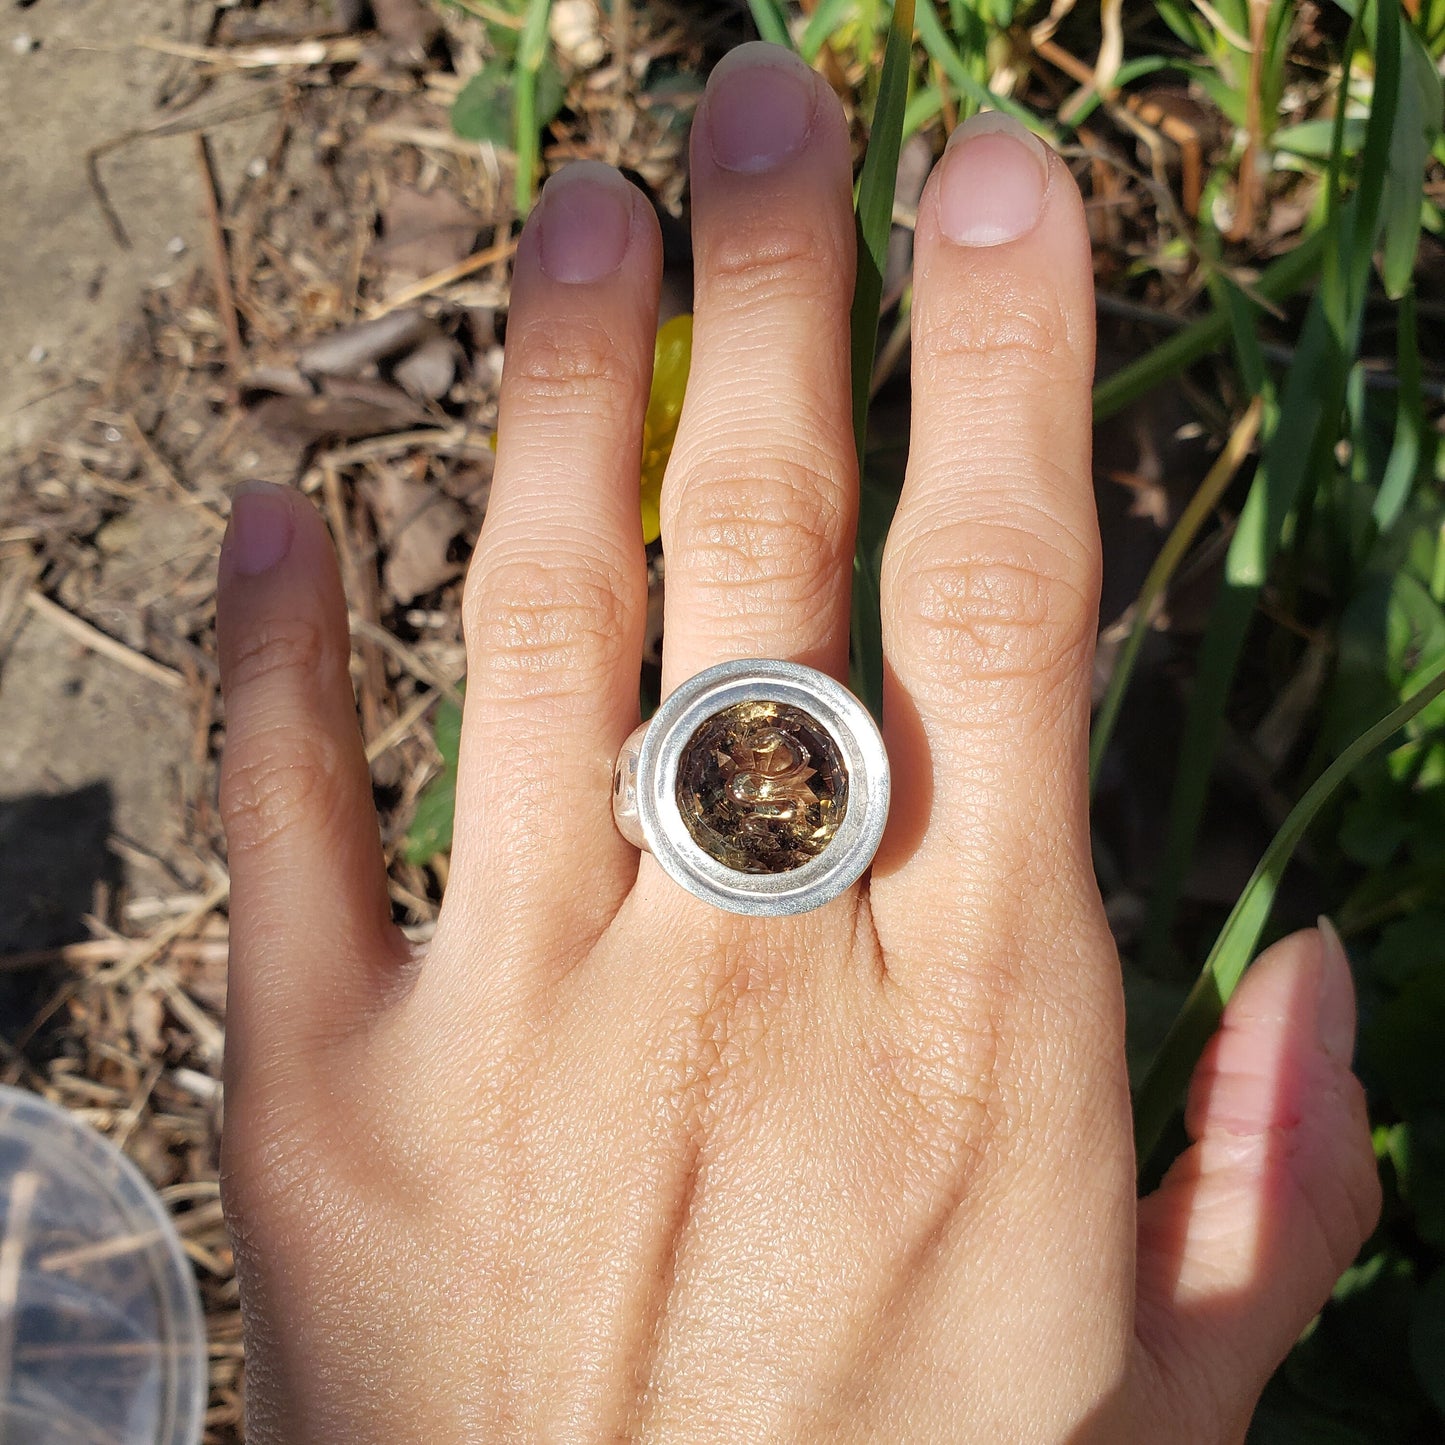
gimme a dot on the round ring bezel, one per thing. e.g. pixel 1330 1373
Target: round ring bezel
pixel 851 849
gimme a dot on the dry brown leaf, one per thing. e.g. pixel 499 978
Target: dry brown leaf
pixel 428 372
pixel 350 350
pixel 417 525
pixel 345 411
pixel 422 233
pixel 410 25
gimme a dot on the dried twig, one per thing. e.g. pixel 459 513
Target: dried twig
pixel 101 642
pixel 413 714
pixel 95 952
pixel 428 284
pixel 220 264
pixel 305 53
pixel 158 942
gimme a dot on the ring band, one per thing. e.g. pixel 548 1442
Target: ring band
pixel 760 787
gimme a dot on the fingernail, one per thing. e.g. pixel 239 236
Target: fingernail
pixel 586 223
pixel 761 100
pixel 261 526
pixel 994 175
pixel 1337 996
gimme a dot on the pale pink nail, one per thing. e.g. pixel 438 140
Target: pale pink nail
pixel 1336 1007
pixel 761 100
pixel 992 181
pixel 586 223
pixel 261 528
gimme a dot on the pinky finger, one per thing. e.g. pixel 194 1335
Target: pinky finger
pixel 1249 1230
pixel 312 941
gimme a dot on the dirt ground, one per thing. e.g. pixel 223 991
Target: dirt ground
pixel 71 285
pixel 74 79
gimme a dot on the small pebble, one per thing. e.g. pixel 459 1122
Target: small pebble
pixel 24 44
pixel 176 245
pixel 575 31
pixel 256 167
pixel 36 354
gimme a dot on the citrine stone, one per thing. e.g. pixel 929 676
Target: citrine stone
pixel 762 787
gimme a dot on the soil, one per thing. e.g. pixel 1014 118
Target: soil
pixel 72 280
pixel 75 79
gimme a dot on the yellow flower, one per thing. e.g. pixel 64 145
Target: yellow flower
pixel 672 360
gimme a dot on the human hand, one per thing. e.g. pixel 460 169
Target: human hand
pixel 608 1163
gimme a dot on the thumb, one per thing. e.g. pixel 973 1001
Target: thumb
pixel 1251 1227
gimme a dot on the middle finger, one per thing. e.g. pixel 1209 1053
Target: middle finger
pixel 760 499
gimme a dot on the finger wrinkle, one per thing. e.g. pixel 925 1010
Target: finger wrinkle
pixel 572 357
pixel 775 261
pixel 1010 327
pixel 551 444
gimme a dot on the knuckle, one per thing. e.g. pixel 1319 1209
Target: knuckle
pixel 779 525
pixel 290 650
pixel 574 366
pixel 1012 334
pixel 984 603
pixel 768 259
pixel 535 627
pixel 276 778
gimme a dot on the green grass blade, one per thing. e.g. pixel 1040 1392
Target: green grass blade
pixel 876 187
pixel 824 21
pixel 531 52
pixel 1161 1093
pixel 1417 128
pixel 1411 426
pixel 1226 465
pixel 1279 281
pixel 941 49
pixel 1309 408
pixel 925 107
pixel 771 21
pixel 1297 451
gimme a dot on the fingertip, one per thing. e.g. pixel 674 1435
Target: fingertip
pixel 592 225
pixel 993 181
pixel 277 562
pixel 261 528
pixel 764 107
pixel 1286 1034
pixel 1002 216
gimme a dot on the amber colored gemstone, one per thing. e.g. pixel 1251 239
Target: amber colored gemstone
pixel 762 787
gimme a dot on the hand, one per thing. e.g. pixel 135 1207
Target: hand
pixel 607 1163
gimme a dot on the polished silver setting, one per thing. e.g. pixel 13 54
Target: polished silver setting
pixel 644 794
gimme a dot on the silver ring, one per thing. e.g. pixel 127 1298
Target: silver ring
pixel 760 787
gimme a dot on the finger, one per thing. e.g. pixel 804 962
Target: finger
pixel 312 944
pixel 759 503
pixel 556 595
pixel 990 574
pixel 1246 1236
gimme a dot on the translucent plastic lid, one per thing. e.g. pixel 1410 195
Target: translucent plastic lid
pixel 101 1335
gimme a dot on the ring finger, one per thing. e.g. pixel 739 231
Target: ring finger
pixel 759 504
